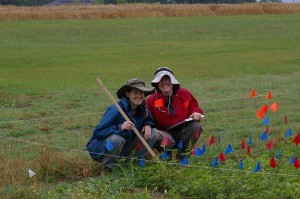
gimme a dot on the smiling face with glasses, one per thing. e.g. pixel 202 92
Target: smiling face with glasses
pixel 165 86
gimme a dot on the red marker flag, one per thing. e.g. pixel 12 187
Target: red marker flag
pixel 252 94
pixel 196 135
pixel 193 151
pixel 267 129
pixel 222 157
pixel 273 163
pixel 268 95
pixel 187 103
pixel 274 107
pixel 296 163
pixel 212 140
pixel 159 103
pixel 243 144
pixel 260 114
pixel 285 119
pixel 165 142
pixel 297 139
pixel 270 145
pixel 248 150
pixel 264 109
pixel 138 146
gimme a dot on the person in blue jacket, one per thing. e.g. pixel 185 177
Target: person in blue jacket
pixel 114 137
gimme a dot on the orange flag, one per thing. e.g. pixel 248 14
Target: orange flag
pixel 260 114
pixel 264 109
pixel 268 95
pixel 187 103
pixel 252 94
pixel 159 103
pixel 274 107
pixel 273 163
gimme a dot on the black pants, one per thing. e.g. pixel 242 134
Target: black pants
pixel 185 132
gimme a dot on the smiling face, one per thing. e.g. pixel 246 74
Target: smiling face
pixel 165 86
pixel 136 97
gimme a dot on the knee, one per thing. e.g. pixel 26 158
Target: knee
pixel 117 140
pixel 195 126
pixel 154 134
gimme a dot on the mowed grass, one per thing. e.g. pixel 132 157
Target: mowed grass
pixel 50 102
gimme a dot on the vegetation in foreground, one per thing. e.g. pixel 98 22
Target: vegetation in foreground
pixel 50 102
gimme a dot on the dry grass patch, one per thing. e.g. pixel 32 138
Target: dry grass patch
pixel 141 11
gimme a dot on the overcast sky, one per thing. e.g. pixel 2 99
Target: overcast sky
pixel 291 1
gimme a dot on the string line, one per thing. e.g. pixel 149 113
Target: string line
pixel 151 161
pixel 101 112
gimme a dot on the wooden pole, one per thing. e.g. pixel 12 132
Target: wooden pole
pixel 125 116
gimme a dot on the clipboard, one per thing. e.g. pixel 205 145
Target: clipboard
pixel 182 122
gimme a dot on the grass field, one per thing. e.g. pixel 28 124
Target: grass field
pixel 50 103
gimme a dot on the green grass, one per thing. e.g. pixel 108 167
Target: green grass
pixel 49 97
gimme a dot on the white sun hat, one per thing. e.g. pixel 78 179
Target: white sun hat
pixel 162 71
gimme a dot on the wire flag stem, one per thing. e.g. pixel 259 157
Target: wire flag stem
pixel 125 116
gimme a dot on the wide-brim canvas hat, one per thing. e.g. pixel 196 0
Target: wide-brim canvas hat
pixel 160 72
pixel 134 83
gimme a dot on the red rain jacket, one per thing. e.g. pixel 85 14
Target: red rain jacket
pixel 183 102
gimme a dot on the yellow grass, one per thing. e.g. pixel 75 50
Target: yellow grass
pixel 142 10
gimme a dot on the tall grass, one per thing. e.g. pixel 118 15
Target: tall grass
pixel 142 11
pixel 50 103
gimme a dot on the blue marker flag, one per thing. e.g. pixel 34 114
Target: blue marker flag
pixel 142 162
pixel 288 133
pixel 292 159
pixel 278 155
pixel 198 152
pixel 266 121
pixel 184 161
pixel 109 145
pixel 215 163
pixel 241 166
pixel 164 156
pixel 257 168
pixel 250 141
pixel 180 145
pixel 203 148
pixel 228 150
pixel 264 136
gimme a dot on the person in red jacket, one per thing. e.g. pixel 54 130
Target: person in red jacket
pixel 176 113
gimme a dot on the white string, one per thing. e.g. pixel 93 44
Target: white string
pixel 101 112
pixel 54 117
pixel 153 161
pixel 289 92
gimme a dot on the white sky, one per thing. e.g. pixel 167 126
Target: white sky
pixel 291 1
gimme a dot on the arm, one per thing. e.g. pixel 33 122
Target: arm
pixel 111 123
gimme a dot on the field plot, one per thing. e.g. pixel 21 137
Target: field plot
pixel 50 102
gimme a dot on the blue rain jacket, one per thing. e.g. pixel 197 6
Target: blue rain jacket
pixel 111 123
